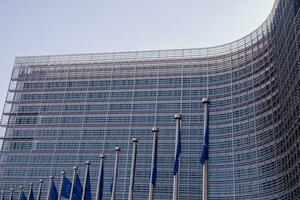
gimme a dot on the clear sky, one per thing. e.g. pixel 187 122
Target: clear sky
pixel 42 27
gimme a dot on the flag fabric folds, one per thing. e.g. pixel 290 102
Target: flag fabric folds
pixel 22 196
pixel 66 187
pixel 77 189
pixel 154 169
pixel 204 154
pixel 53 195
pixel 88 195
pixel 178 152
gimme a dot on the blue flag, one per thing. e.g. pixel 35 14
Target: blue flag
pixel 22 196
pixel 178 152
pixel 66 188
pixel 88 195
pixel 101 183
pixel 154 169
pixel 204 155
pixel 31 197
pixel 53 192
pixel 77 189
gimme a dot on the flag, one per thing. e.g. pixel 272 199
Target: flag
pixel 154 169
pixel 87 195
pixel 101 183
pixel 178 152
pixel 204 154
pixel 77 189
pixel 22 196
pixel 53 192
pixel 66 187
pixel 31 196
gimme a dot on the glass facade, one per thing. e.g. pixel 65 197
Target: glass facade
pixel 63 110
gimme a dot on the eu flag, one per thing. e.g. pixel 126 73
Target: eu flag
pixel 22 196
pixel 31 197
pixel 154 169
pixel 101 181
pixel 53 192
pixel 66 188
pixel 77 189
pixel 178 152
pixel 88 195
pixel 204 155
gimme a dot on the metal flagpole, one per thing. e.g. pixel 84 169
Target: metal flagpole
pixel 113 194
pixel 2 192
pixel 205 101
pixel 21 190
pixel 73 182
pixel 40 190
pixel 133 163
pixel 177 156
pixel 155 130
pixel 11 194
pixel 61 184
pixel 87 165
pixel 100 179
pixel 49 187
pixel 29 192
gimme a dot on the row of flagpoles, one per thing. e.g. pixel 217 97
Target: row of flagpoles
pixel 73 190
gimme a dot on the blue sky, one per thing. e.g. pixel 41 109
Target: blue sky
pixel 42 27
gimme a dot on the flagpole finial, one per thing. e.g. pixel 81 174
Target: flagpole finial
pixel 134 139
pixel 155 129
pixel 41 180
pixel 30 184
pixel 87 162
pixel 117 149
pixel 75 168
pixel 102 156
pixel 51 177
pixel 178 116
pixel 21 188
pixel 205 100
pixel 62 173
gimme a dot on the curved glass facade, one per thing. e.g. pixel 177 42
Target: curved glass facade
pixel 63 110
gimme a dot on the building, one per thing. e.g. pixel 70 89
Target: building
pixel 63 110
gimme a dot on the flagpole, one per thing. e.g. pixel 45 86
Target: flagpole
pixel 113 194
pixel 176 176
pixel 2 192
pixel 49 187
pixel 29 192
pixel 155 130
pixel 133 163
pixel 21 189
pixel 87 165
pixel 11 194
pixel 99 192
pixel 61 183
pixel 73 182
pixel 205 101
pixel 40 190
